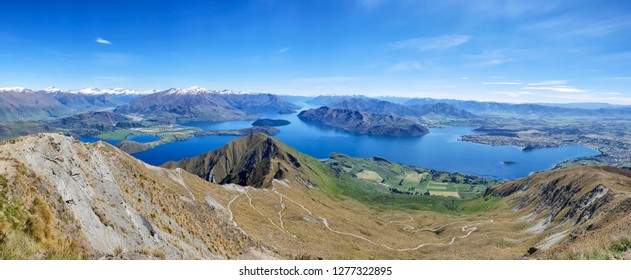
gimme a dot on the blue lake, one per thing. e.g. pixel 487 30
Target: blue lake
pixel 440 149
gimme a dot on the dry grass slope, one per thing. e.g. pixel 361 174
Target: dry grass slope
pixel 74 200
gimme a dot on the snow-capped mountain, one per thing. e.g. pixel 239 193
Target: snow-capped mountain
pixel 16 89
pixel 123 91
pixel 52 89
pixel 198 90
pixel 97 91
pixel 87 91
pixel 190 90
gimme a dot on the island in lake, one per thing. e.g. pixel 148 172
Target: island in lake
pixel 364 123
pixel 270 122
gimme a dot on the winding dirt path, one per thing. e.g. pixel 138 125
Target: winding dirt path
pixel 469 228
pixel 230 210
pixel 261 213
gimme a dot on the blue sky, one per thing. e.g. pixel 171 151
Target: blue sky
pixel 515 51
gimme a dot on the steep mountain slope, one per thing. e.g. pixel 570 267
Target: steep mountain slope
pixel 364 123
pixel 94 201
pixel 81 102
pixel 576 210
pixel 19 104
pixel 254 160
pixel 183 106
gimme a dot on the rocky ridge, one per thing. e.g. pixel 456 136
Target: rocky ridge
pixel 115 206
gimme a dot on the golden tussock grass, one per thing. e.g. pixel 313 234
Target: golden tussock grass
pixel 29 227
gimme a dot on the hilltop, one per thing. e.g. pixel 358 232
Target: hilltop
pixel 254 160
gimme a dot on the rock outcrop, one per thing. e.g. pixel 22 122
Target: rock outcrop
pixel 575 207
pixel 112 205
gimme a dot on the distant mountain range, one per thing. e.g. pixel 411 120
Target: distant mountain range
pixel 180 107
pixel 389 108
pixel 199 104
pixel 18 104
pixel 483 108
pixel 97 91
pixel 203 105
pixel 364 122
pixel 523 110
pixel 194 103
pixel 22 104
pixel 328 100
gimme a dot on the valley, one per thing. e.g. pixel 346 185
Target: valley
pixel 410 180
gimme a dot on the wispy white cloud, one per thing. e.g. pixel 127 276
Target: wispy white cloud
pixel 103 41
pixel 406 66
pixel 601 28
pixel 440 43
pixel 328 79
pixel 501 83
pixel 581 26
pixel 283 50
pixel 547 83
pixel 564 89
